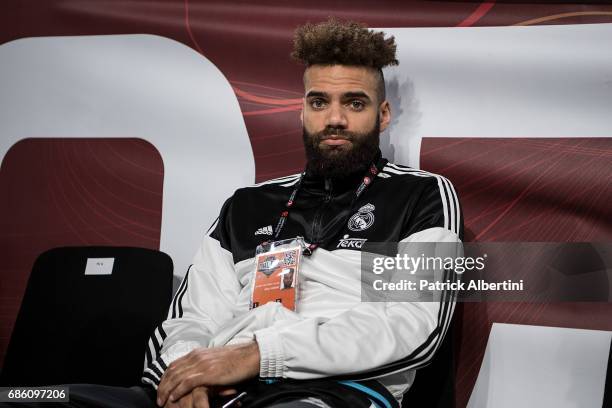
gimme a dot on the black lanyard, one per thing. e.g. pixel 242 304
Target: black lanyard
pixel 367 179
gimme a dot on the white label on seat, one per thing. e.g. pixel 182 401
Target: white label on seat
pixel 99 266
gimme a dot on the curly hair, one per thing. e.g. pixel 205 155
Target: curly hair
pixel 344 43
pixel 335 42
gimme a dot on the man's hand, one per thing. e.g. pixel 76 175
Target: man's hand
pixel 197 398
pixel 208 367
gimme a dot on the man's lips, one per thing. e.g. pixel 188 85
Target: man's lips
pixel 335 141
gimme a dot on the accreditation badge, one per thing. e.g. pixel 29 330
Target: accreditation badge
pixel 275 279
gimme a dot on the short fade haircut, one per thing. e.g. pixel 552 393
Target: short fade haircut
pixel 335 42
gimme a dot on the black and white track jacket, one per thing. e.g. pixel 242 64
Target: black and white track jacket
pixel 333 333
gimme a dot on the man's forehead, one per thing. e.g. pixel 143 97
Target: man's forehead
pixel 339 79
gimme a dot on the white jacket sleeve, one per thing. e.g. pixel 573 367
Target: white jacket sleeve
pixel 205 299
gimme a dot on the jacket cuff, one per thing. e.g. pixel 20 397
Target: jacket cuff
pixel 271 363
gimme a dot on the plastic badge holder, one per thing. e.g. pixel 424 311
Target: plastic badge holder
pixel 275 278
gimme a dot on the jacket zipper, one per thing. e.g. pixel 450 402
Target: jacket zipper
pixel 316 225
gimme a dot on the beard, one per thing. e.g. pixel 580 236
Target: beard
pixel 341 160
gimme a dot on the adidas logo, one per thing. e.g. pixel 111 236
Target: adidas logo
pixel 264 230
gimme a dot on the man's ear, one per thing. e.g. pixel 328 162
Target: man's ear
pixel 384 114
pixel 302 114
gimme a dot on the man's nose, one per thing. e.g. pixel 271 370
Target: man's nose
pixel 336 117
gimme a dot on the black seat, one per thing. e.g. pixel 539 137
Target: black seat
pixel 74 327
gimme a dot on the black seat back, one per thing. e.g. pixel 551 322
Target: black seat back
pixel 78 328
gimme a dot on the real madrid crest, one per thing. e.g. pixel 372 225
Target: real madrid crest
pixel 362 219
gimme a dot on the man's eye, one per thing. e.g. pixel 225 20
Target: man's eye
pixel 317 103
pixel 357 105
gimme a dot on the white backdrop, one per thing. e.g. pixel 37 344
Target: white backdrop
pixel 153 88
pixel 540 81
